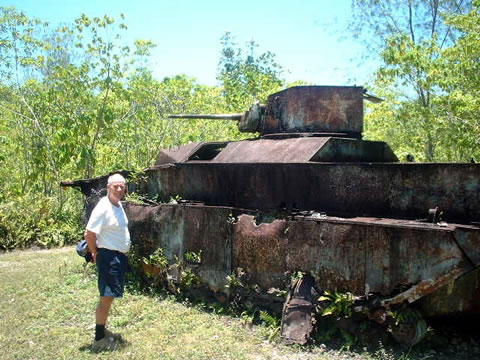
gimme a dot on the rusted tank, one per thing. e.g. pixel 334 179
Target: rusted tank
pixel 309 196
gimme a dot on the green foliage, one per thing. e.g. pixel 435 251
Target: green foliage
pixel 405 314
pixel 77 102
pixel 175 199
pixel 193 257
pixel 339 304
pixel 157 259
pixel 419 43
pixel 271 324
pixel 246 77
pixel 234 280
pixel 295 276
pixel 374 21
pixel 188 278
pixel 20 46
pixel 247 317
pixel 419 125
pixel 135 198
pixel 459 80
pixel 37 220
pixel 179 277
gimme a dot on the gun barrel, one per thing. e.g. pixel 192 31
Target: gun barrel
pixel 234 117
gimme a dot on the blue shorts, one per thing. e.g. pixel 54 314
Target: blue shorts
pixel 111 267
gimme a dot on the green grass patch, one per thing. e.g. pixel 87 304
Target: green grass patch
pixel 47 305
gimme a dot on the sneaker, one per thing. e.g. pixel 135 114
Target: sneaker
pixel 115 336
pixel 108 343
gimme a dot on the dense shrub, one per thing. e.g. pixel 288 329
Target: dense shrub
pixel 37 220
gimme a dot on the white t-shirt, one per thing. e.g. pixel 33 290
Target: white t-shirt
pixel 110 224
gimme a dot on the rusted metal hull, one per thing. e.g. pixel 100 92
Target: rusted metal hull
pixel 180 229
pixel 363 235
pixel 350 189
pixel 281 149
pixel 365 256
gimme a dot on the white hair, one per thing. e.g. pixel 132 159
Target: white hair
pixel 116 178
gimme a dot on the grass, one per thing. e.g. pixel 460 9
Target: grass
pixel 47 304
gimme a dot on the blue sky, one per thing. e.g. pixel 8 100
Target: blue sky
pixel 305 35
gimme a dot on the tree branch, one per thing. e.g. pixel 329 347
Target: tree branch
pixel 410 21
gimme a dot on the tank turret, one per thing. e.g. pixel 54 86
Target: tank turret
pixel 324 110
pixel 331 117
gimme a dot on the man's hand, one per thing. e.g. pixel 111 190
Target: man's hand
pixel 91 238
pixel 89 257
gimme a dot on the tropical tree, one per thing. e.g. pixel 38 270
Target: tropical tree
pixel 246 77
pixel 76 102
pixel 459 79
pixel 410 36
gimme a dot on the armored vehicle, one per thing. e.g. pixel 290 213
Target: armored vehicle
pixel 308 199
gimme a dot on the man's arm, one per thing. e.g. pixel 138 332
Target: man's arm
pixel 91 238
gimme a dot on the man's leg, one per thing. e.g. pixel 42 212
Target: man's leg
pixel 111 266
pixel 101 315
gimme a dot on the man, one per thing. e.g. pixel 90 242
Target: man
pixel 108 241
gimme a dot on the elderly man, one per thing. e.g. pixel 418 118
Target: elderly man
pixel 108 241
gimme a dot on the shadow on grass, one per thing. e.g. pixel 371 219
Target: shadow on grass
pixel 120 346
pixel 85 348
